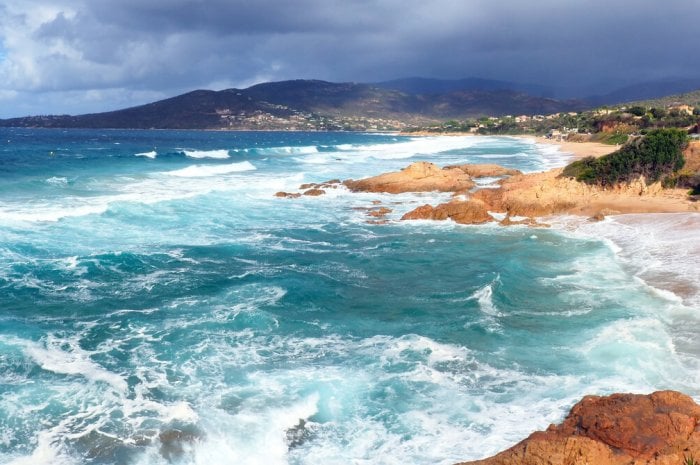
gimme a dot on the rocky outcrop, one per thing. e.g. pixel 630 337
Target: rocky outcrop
pixel 287 195
pixel 463 212
pixel 662 428
pixel 314 192
pixel 417 177
pixel 548 193
pixel 485 170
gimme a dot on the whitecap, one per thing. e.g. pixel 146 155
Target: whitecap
pixel 46 213
pixel 196 171
pixel 207 153
pixel 57 180
pixel 484 296
pixel 152 154
pixel 289 150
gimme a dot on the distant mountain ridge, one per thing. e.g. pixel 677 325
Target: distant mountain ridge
pixel 646 91
pixel 321 105
pixel 306 105
pixel 427 86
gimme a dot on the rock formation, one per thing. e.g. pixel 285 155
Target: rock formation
pixel 464 212
pixel 314 192
pixel 662 428
pixel 519 195
pixel 287 195
pixel 485 170
pixel 547 193
pixel 417 177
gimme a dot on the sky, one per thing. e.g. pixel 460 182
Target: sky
pixel 79 56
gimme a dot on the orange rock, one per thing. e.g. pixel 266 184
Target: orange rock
pixel 482 170
pixel 656 429
pixel 379 212
pixel 464 212
pixel 314 192
pixel 417 177
pixel 290 195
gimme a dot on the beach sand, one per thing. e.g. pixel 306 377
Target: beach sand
pixel 578 149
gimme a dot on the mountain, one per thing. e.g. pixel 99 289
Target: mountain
pixel 307 105
pixel 646 91
pixel 423 86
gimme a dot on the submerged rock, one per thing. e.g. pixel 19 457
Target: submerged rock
pixel 298 434
pixel 662 428
pixel 175 442
pixel 378 212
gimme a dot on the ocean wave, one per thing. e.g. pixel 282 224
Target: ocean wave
pixel 220 154
pixel 484 297
pixel 660 249
pixel 152 154
pixel 407 148
pixel 288 150
pixel 47 213
pixel 196 171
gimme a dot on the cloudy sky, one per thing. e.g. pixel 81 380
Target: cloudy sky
pixel 77 56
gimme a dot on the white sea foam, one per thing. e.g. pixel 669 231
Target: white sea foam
pixel 662 249
pixel 484 296
pixel 46 452
pixel 196 171
pixel 152 154
pixel 57 181
pixel 552 156
pixel 424 147
pixel 207 153
pixel 75 361
pixel 289 150
pixel 47 213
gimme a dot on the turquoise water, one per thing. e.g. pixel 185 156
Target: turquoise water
pixel 159 305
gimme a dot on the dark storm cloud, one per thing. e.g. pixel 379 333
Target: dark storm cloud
pixel 161 47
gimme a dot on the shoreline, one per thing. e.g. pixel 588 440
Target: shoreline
pixel 577 149
pixel 657 248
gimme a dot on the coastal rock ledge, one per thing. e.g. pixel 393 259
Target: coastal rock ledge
pixel 418 177
pixel 662 428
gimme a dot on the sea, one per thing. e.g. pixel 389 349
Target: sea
pixel 159 305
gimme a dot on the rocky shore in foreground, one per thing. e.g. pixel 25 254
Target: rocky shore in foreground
pixel 662 428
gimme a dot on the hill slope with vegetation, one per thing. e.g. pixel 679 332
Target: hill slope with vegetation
pixel 656 156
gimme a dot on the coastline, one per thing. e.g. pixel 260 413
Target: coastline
pixel 577 149
pixel 545 193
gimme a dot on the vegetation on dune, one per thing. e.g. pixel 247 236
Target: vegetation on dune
pixel 657 156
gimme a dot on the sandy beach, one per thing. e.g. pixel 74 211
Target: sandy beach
pixel 578 149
